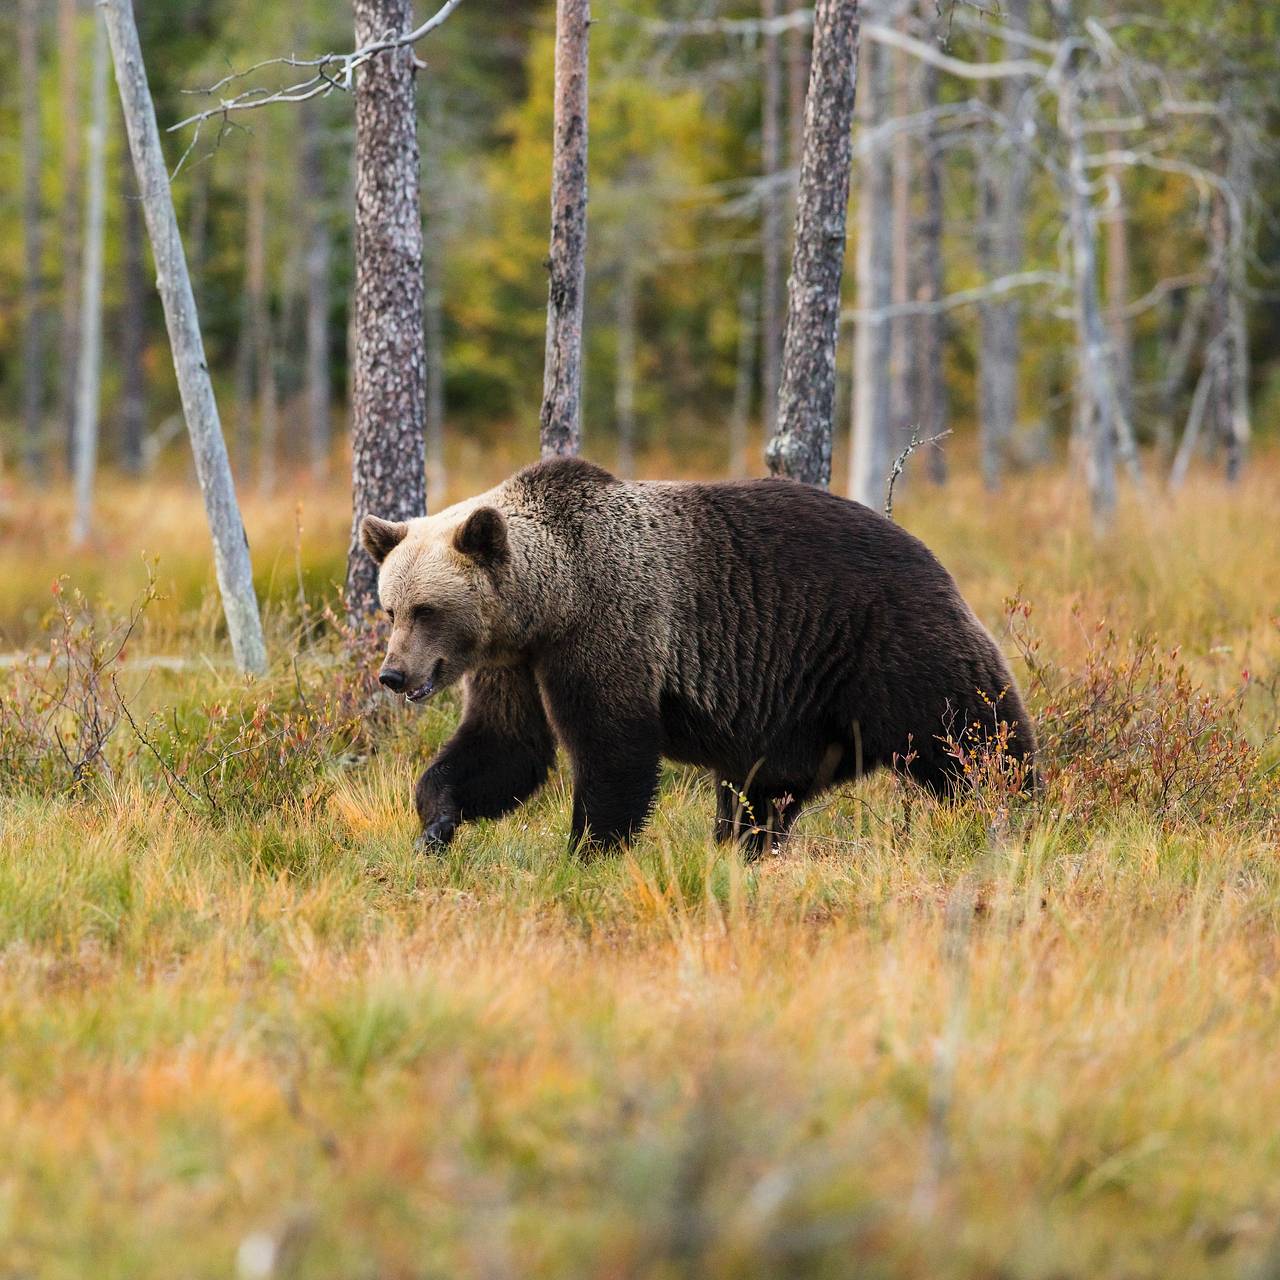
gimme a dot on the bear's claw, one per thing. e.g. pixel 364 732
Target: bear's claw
pixel 436 835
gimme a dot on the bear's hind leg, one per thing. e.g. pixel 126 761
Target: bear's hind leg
pixel 499 756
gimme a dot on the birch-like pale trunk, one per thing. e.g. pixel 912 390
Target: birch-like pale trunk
pixel 33 370
pixel 561 416
pixel 230 546
pixel 772 202
pixel 316 270
pixel 69 95
pixel 872 452
pixel 743 382
pixel 801 446
pixel 388 402
pixel 89 381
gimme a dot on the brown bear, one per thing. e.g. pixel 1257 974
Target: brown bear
pixel 780 636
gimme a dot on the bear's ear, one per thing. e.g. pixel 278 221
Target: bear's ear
pixel 482 536
pixel 380 537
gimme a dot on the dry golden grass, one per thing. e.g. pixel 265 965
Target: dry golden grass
pixel 275 1041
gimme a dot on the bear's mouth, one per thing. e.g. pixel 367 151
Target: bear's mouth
pixel 427 687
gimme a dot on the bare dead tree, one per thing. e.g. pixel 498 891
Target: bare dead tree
pixel 801 446
pixel 771 218
pixel 33 370
pixel 872 450
pixel 388 408
pixel 85 456
pixel 231 548
pixel 561 415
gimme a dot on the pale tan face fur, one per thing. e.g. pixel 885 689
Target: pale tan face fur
pixel 440 599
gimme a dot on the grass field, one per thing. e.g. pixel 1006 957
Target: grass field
pixel 246 1031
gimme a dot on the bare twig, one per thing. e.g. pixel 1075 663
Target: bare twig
pixel 900 462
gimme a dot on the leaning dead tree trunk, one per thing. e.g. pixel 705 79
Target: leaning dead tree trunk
pixel 85 453
pixel 872 450
pixel 561 416
pixel 33 371
pixel 801 446
pixel 388 452
pixel 69 94
pixel 230 546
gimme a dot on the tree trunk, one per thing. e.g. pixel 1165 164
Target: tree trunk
pixel 90 363
pixel 231 548
pixel 742 385
pixel 69 92
pixel 1233 421
pixel 931 326
pixel 133 317
pixel 33 370
pixel 771 221
pixel 801 447
pixel 561 416
pixel 388 453
pixel 1004 177
pixel 625 376
pixel 871 455
pixel 434 296
pixel 319 251
pixel 1096 406
pixel 253 300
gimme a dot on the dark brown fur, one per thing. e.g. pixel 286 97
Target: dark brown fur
pixel 782 637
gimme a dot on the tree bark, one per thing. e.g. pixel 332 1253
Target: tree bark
pixel 388 452
pixel 33 370
pixel 1004 178
pixel 561 415
pixel 69 72
pixel 319 251
pixel 771 221
pixel 801 446
pixel 871 455
pixel 434 296
pixel 932 326
pixel 89 381
pixel 133 314
pixel 231 548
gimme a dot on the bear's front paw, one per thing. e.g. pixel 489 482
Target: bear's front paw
pixel 436 835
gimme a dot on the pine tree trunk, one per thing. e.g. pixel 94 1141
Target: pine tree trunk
pixel 434 296
pixel 231 548
pixel 871 455
pixel 388 452
pixel 561 415
pixel 69 93
pixel 133 377
pixel 801 447
pixel 88 392
pixel 33 370
pixel 771 221
pixel 931 327
pixel 316 269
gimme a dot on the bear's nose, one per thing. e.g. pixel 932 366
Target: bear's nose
pixel 393 679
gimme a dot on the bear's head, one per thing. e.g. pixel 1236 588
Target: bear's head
pixel 438 582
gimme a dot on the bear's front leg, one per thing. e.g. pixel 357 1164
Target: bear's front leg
pixel 614 743
pixel 498 757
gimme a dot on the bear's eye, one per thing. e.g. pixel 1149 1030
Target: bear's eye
pixel 423 613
